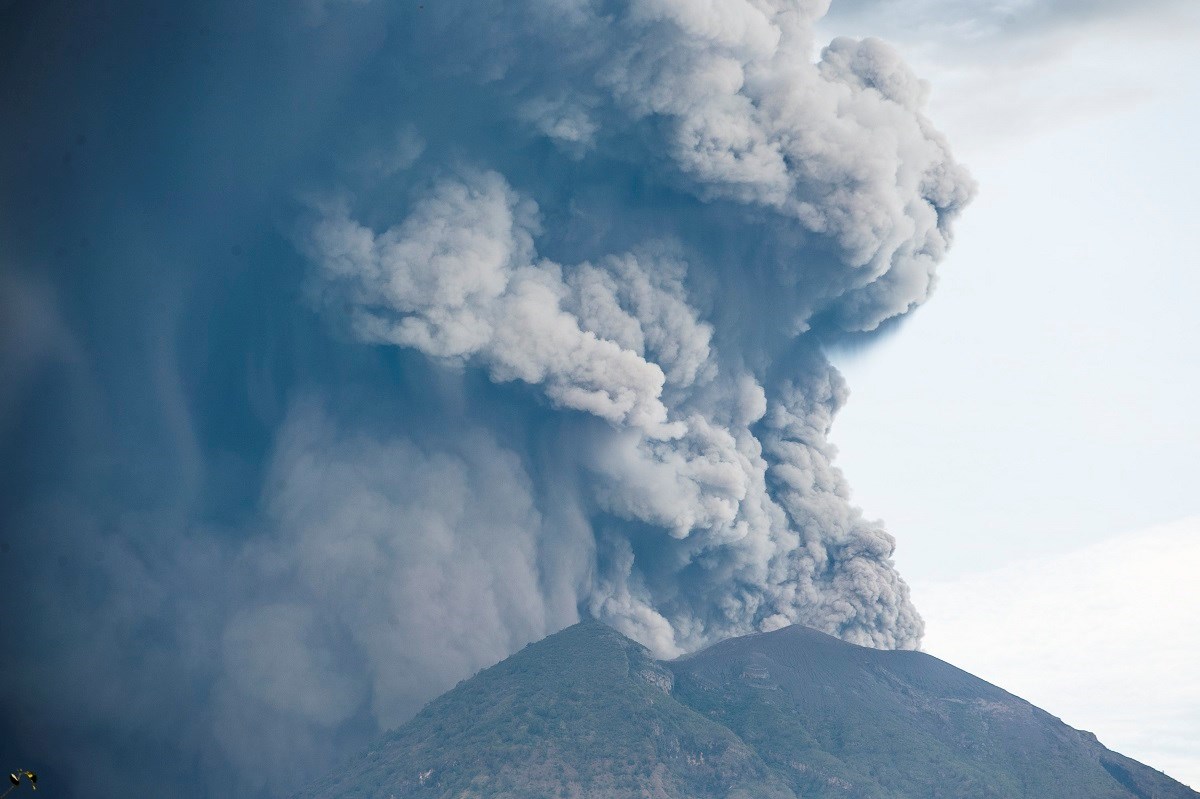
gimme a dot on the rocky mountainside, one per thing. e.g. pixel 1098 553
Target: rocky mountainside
pixel 793 714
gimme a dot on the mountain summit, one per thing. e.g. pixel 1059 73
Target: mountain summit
pixel 792 714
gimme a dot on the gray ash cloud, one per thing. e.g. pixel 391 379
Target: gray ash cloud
pixel 403 336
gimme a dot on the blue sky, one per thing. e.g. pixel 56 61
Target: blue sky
pixel 1041 409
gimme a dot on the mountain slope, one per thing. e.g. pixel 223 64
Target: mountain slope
pixel 835 719
pixel 587 713
pixel 583 713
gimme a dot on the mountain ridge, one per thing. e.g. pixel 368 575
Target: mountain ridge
pixel 587 712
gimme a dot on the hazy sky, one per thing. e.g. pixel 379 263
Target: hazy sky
pixel 1022 430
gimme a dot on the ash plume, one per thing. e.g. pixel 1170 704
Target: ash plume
pixel 419 333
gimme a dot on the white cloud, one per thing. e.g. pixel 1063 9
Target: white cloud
pixel 1005 71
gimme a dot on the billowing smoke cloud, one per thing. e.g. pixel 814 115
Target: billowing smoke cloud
pixel 423 332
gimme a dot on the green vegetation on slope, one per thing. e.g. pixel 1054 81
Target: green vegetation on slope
pixel 837 720
pixel 793 714
pixel 584 713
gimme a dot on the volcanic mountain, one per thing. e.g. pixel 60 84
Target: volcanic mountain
pixel 792 714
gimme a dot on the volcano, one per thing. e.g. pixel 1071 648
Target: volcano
pixel 791 714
